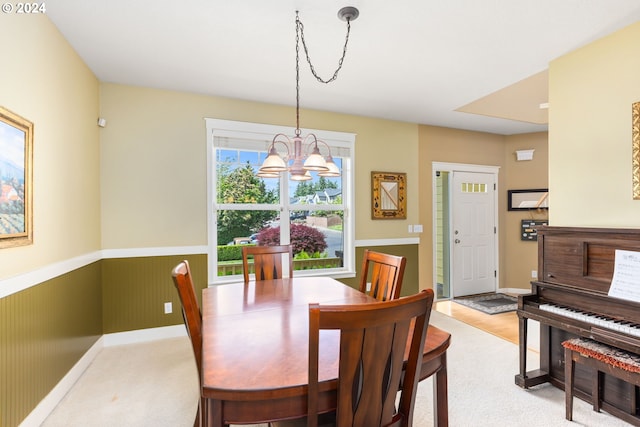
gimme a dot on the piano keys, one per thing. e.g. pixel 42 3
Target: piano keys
pixel 592 318
pixel 570 299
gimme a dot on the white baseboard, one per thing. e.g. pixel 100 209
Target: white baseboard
pixel 48 404
pixel 388 242
pixel 516 291
pixel 144 335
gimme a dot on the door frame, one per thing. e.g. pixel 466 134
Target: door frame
pixel 461 167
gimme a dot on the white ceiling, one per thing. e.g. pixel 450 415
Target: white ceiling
pixel 410 60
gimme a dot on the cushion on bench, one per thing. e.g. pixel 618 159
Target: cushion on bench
pixel 605 353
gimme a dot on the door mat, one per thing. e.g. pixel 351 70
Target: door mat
pixel 489 303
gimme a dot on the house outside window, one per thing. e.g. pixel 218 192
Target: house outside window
pixel 315 216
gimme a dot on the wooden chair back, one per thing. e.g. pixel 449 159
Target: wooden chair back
pixel 373 340
pixel 384 272
pixel 267 261
pixel 193 321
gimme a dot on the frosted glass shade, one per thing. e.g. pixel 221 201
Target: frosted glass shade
pixel 315 162
pixel 332 170
pixel 273 163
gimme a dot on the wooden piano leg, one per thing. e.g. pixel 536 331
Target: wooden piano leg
pixel 569 369
pixel 526 379
pixel 522 331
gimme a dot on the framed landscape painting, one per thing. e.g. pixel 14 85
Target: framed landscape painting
pixel 16 186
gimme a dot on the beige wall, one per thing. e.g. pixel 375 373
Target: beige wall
pixel 43 80
pixel 439 144
pixel 521 257
pixel 591 91
pixel 153 163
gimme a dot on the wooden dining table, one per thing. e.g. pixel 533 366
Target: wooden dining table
pixel 255 350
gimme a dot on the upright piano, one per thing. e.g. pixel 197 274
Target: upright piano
pixel 570 298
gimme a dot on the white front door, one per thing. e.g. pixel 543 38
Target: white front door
pixel 473 233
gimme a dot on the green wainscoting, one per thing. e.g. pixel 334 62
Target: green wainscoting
pixel 134 291
pixel 410 284
pixel 47 328
pixel 44 331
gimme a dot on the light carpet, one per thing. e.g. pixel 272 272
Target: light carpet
pixel 155 384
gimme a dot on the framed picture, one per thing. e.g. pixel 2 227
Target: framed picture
pixel 524 200
pixel 635 165
pixel 388 195
pixel 16 186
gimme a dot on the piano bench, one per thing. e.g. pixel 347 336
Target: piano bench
pixel 603 359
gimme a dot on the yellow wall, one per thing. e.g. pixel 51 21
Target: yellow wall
pixel 143 184
pixel 45 329
pixel 153 163
pixel 43 80
pixel 591 91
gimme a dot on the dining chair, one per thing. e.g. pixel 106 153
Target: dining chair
pixel 373 341
pixel 384 273
pixel 193 321
pixel 267 261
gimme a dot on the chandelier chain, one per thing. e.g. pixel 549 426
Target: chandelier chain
pixel 312 160
pixel 297 77
pixel 300 29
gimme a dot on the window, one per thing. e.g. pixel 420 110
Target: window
pixel 473 187
pixel 315 216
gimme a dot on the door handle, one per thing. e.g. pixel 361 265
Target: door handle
pixel 456 241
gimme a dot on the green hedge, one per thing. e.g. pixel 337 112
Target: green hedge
pixel 230 252
pixel 234 253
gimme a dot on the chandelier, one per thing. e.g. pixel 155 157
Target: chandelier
pixel 304 152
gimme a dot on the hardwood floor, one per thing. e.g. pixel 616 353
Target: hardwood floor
pixel 503 325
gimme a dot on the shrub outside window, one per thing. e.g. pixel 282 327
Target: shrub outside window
pixel 314 216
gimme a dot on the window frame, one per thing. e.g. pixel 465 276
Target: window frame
pixel 217 128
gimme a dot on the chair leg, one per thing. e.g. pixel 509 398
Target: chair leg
pixel 201 414
pixel 199 421
pixel 568 383
pixel 440 395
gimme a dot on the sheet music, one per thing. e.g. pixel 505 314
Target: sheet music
pixel 626 276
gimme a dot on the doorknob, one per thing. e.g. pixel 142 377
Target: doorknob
pixel 456 241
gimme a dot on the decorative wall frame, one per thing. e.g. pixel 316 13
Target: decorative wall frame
pixel 388 195
pixel 635 132
pixel 525 200
pixel 16 180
